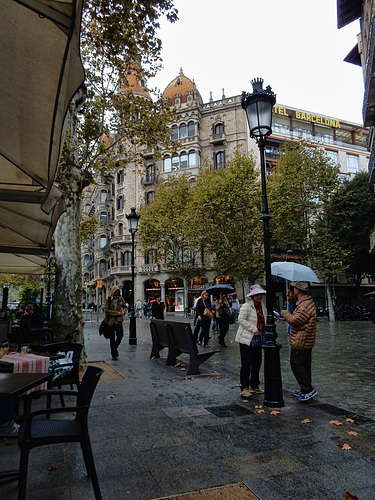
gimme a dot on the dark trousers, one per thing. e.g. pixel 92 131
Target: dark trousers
pixel 196 330
pixel 205 330
pixel 223 329
pixel 115 338
pixel 300 363
pixel 251 361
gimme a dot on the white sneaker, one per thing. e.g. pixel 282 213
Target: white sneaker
pixel 9 429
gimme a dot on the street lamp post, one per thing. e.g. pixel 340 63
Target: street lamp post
pixel 258 107
pixel 133 219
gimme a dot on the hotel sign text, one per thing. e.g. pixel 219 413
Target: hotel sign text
pixel 307 117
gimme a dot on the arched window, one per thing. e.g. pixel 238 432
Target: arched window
pixel 103 196
pixel 126 258
pixel 120 176
pixel 219 160
pixel 150 257
pixel 174 133
pixel 150 173
pixel 183 160
pixel 191 129
pixel 192 159
pixel 103 241
pixel 149 197
pixel 103 217
pixel 183 131
pixel 120 229
pixel 167 164
pixel 219 129
pixel 175 162
pixel 120 203
pixel 87 259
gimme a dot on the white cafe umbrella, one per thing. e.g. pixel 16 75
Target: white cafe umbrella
pixel 293 272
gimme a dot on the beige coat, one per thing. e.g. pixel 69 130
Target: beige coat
pixel 302 324
pixel 247 322
pixel 113 315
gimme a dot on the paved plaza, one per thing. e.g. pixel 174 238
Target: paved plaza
pixel 157 433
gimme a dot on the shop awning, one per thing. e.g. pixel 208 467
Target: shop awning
pixel 41 70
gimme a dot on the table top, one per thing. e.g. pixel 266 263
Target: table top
pixel 14 384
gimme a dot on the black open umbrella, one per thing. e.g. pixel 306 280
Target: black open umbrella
pixel 220 288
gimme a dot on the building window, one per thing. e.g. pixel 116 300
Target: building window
pixel 126 258
pixel 219 160
pixel 192 159
pixel 150 257
pixel 150 173
pixel 174 133
pixel 219 129
pixel 87 259
pixel 103 241
pixel 167 164
pixel 87 208
pixel 103 196
pixel 352 162
pixel 150 197
pixel 103 218
pixel 333 156
pixel 183 131
pixel 184 160
pixel 191 129
pixel 120 176
pixel 120 203
pixel 280 128
pixel 175 162
pixel 120 229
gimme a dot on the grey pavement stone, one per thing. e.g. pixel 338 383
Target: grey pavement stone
pixel 163 433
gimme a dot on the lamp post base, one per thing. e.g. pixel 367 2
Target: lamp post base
pixel 273 396
pixel 132 327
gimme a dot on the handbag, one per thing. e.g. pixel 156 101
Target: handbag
pixel 207 313
pixel 105 330
pixel 226 315
pixel 258 340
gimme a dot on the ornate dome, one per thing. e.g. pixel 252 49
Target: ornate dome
pixel 181 85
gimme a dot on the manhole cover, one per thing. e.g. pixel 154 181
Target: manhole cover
pixel 228 411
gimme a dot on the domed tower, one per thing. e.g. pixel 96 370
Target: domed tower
pixel 182 90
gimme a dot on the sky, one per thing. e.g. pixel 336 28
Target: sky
pixel 294 45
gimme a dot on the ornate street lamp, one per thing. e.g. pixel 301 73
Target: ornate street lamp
pixel 133 219
pixel 258 107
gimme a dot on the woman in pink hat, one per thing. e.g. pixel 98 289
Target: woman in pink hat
pixel 251 322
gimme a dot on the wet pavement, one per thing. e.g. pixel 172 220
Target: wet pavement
pixel 157 433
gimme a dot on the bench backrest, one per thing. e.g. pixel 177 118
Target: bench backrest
pixel 158 326
pixel 180 336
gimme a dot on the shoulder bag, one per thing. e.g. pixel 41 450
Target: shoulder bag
pixel 226 315
pixel 207 313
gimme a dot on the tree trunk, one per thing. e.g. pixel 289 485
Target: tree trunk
pixel 67 314
pixel 331 310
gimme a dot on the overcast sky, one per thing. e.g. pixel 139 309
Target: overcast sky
pixel 294 45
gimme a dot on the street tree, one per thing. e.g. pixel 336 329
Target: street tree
pixel 352 214
pixel 226 214
pixel 118 38
pixel 165 229
pixel 301 185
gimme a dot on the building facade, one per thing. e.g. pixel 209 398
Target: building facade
pixel 207 133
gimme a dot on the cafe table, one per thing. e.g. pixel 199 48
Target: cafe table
pixel 16 384
pixel 28 363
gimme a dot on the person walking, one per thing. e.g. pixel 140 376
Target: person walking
pixel 251 323
pixel 223 325
pixel 302 335
pixel 157 308
pixel 139 308
pixel 235 306
pixel 204 322
pixel 115 308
